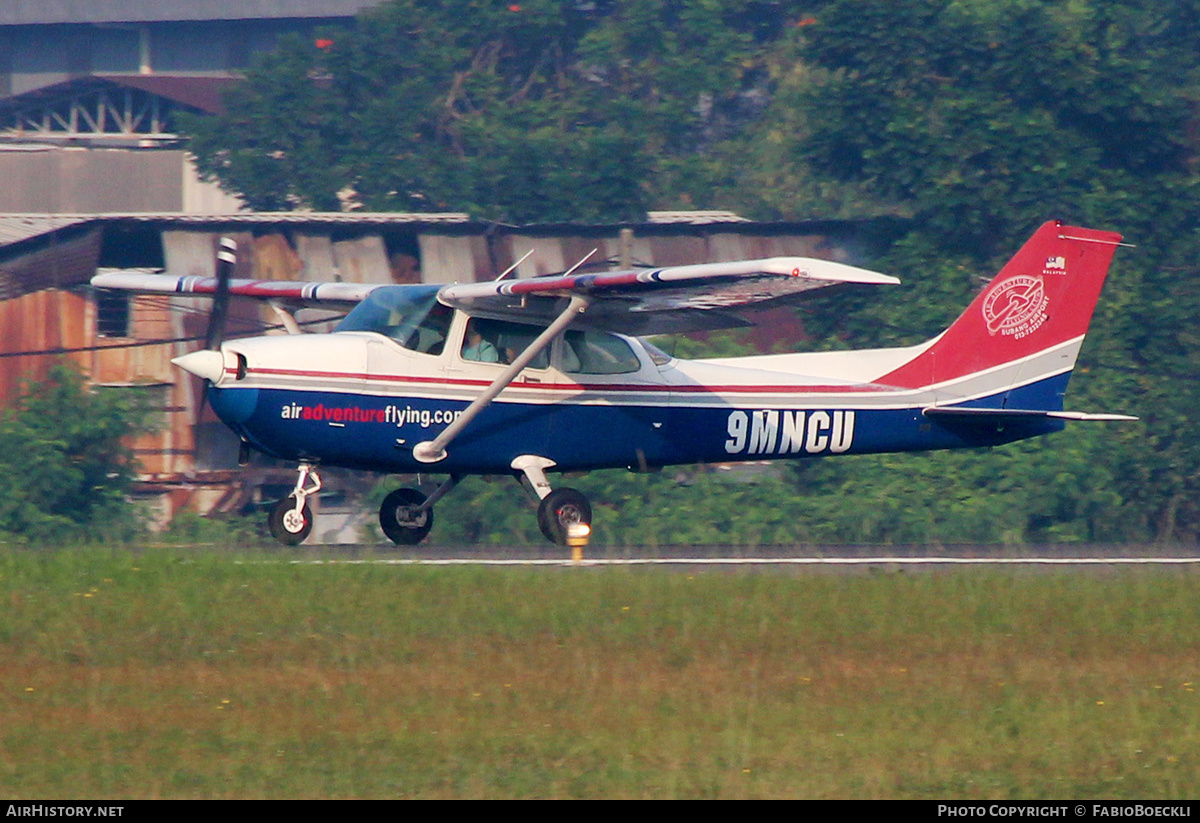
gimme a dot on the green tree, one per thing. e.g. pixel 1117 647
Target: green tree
pixel 980 120
pixel 545 110
pixel 984 118
pixel 63 449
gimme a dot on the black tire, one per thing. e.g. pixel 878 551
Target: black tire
pixel 560 509
pixel 284 527
pixel 398 520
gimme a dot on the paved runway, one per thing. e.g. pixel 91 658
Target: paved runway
pixel 778 556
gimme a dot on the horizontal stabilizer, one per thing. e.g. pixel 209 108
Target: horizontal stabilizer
pixel 964 413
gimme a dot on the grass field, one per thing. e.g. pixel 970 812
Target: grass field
pixel 174 674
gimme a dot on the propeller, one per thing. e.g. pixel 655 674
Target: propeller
pixel 208 363
pixel 226 259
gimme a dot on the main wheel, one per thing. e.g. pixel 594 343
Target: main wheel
pixel 400 519
pixel 559 510
pixel 286 525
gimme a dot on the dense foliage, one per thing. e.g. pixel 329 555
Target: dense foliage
pixel 541 110
pixel 66 463
pixel 975 120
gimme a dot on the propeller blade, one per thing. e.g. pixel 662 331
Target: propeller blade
pixel 226 258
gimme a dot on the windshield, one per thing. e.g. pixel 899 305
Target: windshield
pixel 410 315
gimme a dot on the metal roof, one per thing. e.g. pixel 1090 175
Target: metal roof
pixel 694 217
pixel 202 92
pixel 43 12
pixel 198 91
pixel 316 218
pixel 15 228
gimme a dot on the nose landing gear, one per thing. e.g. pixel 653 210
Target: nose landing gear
pixel 291 521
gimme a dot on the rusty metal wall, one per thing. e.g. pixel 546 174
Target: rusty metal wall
pixel 45 321
pixel 447 259
pixel 128 362
pixel 316 255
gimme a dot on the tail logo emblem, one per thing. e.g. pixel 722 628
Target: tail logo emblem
pixel 1016 307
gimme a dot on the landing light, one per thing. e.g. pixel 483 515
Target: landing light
pixel 577 538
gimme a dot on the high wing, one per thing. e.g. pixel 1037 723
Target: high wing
pixel 305 293
pixel 697 297
pixel 655 301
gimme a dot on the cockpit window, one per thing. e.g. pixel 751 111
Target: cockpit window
pixel 410 315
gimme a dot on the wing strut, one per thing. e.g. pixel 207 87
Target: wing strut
pixel 431 451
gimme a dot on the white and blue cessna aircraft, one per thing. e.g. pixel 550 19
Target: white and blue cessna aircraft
pixel 547 374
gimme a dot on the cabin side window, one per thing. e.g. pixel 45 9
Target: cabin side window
pixel 499 341
pixel 594 352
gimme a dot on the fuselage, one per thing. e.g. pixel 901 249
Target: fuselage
pixel 363 396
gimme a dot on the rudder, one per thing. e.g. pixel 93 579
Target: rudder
pixel 1023 330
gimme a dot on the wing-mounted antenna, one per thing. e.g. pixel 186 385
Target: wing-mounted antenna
pixel 582 260
pixel 513 267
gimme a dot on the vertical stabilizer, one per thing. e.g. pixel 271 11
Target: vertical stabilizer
pixel 1024 329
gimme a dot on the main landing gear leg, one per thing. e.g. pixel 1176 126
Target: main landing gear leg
pixel 291 521
pixel 406 515
pixel 560 508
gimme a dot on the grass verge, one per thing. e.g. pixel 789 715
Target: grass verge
pixel 127 675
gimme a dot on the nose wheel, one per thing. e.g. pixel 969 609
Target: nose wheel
pixel 291 521
pixel 289 526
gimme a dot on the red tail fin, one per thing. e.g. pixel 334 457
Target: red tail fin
pixel 1042 299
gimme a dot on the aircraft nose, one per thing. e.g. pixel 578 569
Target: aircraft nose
pixel 205 363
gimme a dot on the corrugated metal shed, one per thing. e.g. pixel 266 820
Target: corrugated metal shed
pixel 68 261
